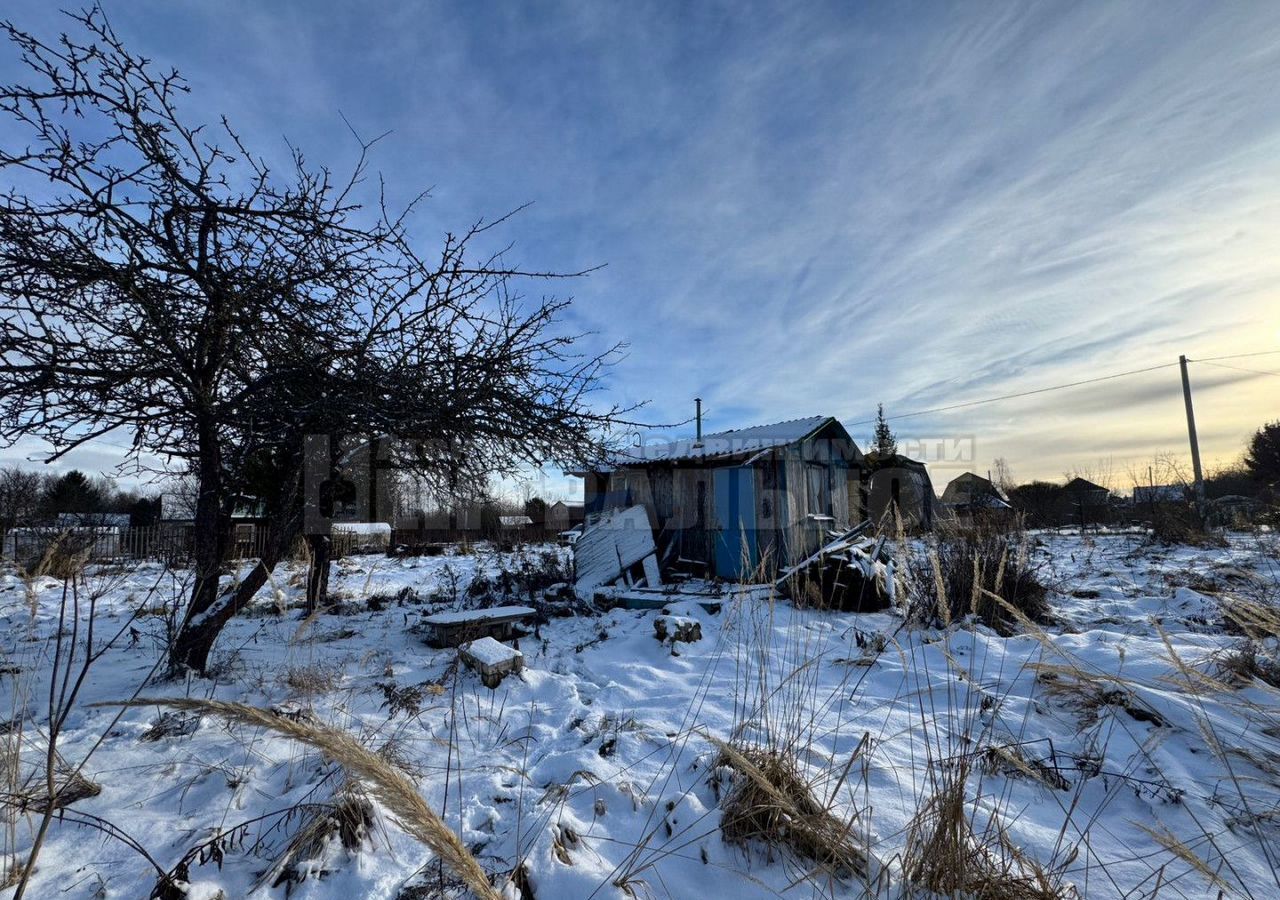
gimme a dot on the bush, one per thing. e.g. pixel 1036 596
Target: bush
pixel 521 576
pixel 963 566
pixel 772 804
pixel 1182 524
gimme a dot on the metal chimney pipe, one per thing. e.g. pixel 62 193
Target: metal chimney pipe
pixel 698 404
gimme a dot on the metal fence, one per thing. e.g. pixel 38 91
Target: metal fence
pixel 174 544
pixel 163 543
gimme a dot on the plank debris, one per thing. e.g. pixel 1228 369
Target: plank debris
pixel 450 629
pixel 617 548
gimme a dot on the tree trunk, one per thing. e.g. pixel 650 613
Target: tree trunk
pixel 195 641
pixel 211 529
pixel 318 574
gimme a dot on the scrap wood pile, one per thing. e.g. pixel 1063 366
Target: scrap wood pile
pixel 851 572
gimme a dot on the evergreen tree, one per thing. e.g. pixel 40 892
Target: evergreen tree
pixel 73 492
pixel 1263 455
pixel 886 443
pixel 536 508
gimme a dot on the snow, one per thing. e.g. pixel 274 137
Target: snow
pixel 489 652
pixel 374 528
pixel 734 442
pixel 593 767
pixel 479 615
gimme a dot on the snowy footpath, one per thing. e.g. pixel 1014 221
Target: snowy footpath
pixel 1117 752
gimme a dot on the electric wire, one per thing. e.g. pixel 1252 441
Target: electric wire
pixel 1043 390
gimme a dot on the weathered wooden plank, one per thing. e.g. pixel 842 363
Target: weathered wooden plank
pixel 612 545
pixel 453 628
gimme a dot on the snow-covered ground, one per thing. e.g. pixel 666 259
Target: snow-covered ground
pixel 1124 760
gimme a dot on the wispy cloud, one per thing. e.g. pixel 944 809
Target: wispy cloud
pixel 813 208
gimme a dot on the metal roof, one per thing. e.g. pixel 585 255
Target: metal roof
pixel 1160 493
pixel 972 490
pixel 734 442
pixel 1083 485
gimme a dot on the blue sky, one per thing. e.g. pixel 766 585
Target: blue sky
pixel 810 208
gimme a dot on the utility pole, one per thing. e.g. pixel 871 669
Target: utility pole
pixel 1191 432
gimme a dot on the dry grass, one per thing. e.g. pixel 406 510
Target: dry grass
pixel 384 782
pixel 772 804
pixel 1258 656
pixel 979 570
pixel 1252 660
pixel 947 856
pixel 1257 620
pixel 348 819
pixel 11 871
pixel 70 787
pixel 311 681
pixel 64 557
pixel 1182 525
pixel 1180 850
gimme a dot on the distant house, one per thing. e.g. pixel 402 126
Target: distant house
pixel 1159 493
pixel 564 514
pixel 1080 487
pixel 729 501
pixel 898 483
pixel 1087 503
pixel 92 520
pixel 514 523
pixel 970 494
pixel 178 525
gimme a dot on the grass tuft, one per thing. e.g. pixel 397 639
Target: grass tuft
pixel 772 804
pixel 388 785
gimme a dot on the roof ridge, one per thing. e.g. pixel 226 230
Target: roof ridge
pixel 770 424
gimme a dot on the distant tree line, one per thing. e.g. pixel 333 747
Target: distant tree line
pixel 1255 476
pixel 29 498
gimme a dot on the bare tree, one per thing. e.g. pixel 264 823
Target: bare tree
pixel 20 493
pixel 159 281
pixel 1002 475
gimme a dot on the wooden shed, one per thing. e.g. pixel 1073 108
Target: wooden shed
pixel 896 487
pixel 728 502
pixel 564 514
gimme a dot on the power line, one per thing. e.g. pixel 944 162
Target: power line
pixel 1236 368
pixel 1234 356
pixel 1043 390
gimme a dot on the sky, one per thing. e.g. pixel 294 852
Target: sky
pixel 812 208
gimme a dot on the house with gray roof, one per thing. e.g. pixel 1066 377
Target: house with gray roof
pixel 970 494
pixel 729 502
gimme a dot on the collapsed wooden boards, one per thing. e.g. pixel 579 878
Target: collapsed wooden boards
pixel 653 598
pixel 843 541
pixel 611 546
